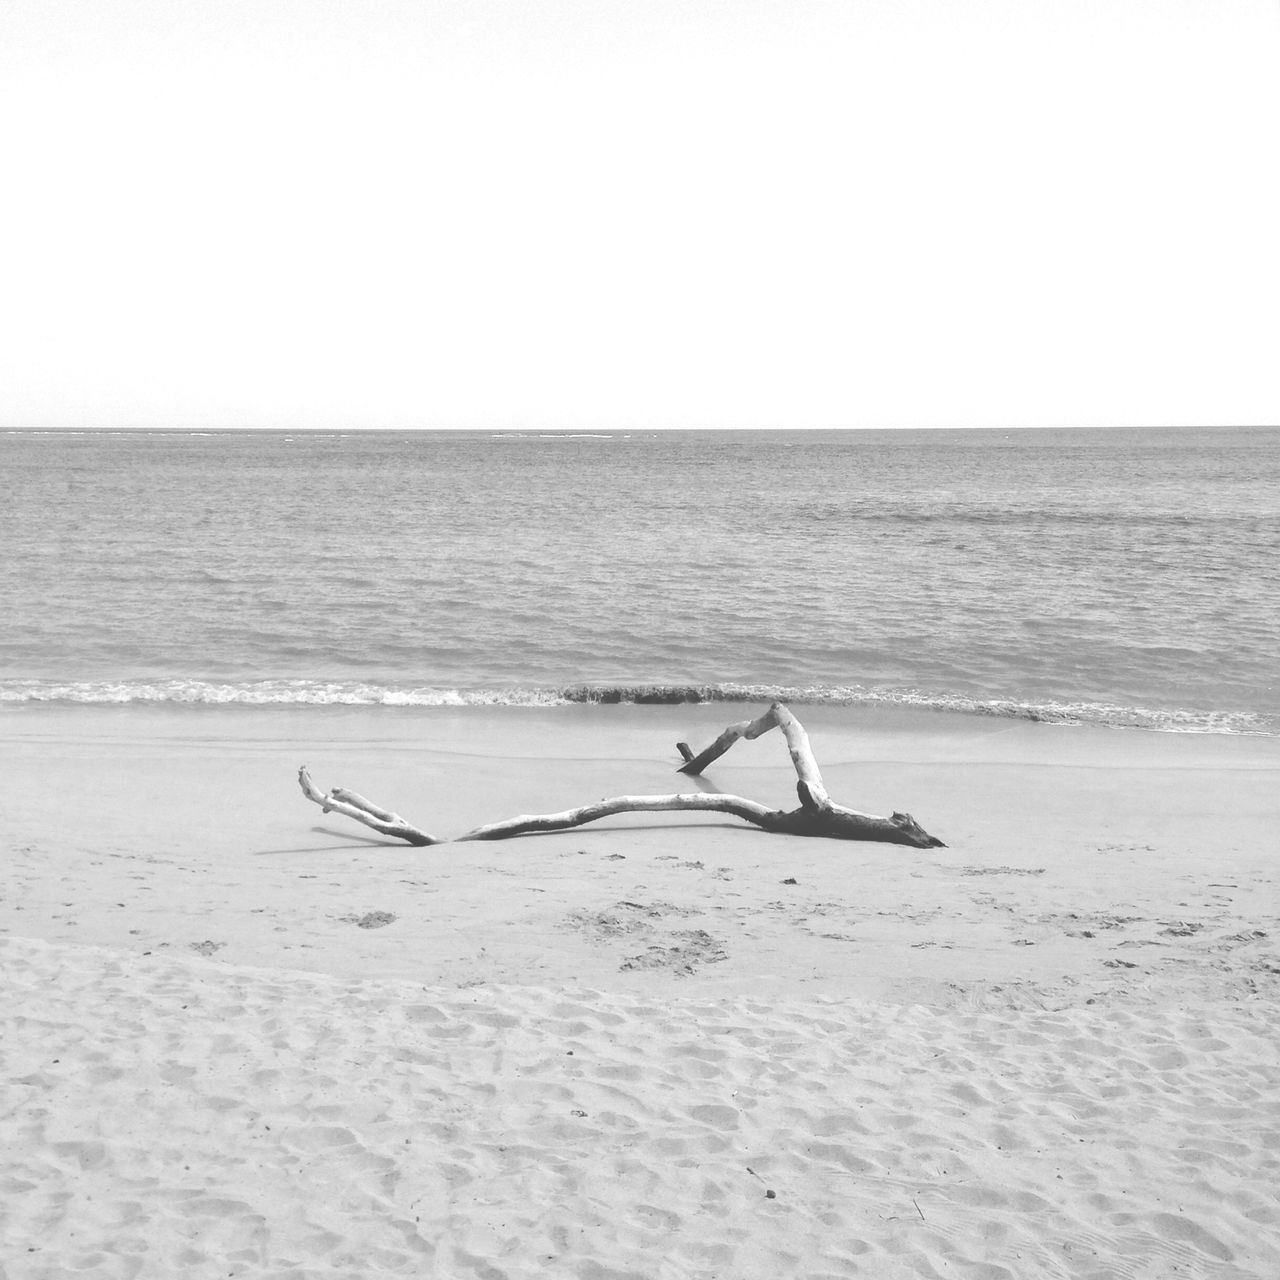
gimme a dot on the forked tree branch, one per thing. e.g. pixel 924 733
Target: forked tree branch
pixel 340 800
pixel 817 815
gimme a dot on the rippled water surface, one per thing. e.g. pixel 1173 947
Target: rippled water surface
pixel 1117 575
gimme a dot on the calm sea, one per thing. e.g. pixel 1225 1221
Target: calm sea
pixel 1129 577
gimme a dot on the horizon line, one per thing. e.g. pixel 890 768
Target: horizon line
pixel 586 433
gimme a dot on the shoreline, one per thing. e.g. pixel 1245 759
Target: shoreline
pixel 42 694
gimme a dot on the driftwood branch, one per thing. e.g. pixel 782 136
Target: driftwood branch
pixel 340 800
pixel 735 805
pixel 817 815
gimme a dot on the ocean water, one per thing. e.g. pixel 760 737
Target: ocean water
pixel 1127 577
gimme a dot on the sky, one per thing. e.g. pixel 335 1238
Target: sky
pixel 629 214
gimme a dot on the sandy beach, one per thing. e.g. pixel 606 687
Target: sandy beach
pixel 245 1038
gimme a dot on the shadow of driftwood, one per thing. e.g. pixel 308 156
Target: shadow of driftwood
pixel 350 842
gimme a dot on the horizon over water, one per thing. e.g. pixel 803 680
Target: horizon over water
pixel 1119 576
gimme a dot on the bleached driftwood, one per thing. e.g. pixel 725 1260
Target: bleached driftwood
pixel 817 815
pixel 340 800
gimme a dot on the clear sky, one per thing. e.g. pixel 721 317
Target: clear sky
pixel 639 213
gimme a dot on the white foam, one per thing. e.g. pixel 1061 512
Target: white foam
pixel 368 694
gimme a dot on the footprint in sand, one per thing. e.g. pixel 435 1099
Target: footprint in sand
pixel 1183 1230
pixel 371 919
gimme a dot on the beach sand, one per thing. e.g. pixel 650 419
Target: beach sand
pixel 245 1038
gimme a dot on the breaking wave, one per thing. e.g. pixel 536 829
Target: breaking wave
pixel 299 693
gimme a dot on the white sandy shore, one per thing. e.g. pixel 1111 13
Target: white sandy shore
pixel 1050 1049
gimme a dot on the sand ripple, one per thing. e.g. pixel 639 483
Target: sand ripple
pixel 172 1116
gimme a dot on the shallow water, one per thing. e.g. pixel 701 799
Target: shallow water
pixel 1123 576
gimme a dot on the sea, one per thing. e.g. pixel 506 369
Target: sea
pixel 1124 577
